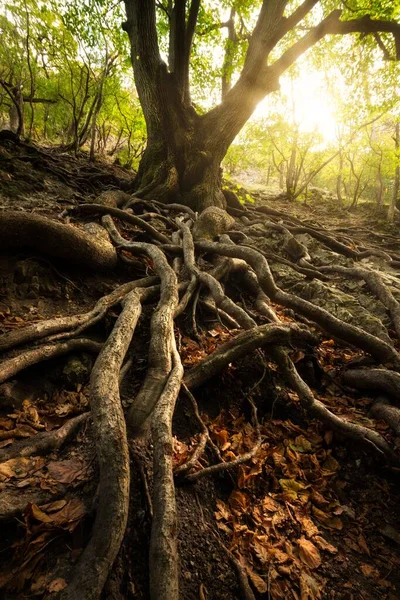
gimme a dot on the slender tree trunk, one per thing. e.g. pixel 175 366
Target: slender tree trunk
pixel 379 187
pixel 396 184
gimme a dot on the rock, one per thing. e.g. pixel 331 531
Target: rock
pixel 114 198
pixel 211 223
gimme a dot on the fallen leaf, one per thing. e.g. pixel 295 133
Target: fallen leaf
pixel 363 544
pixel 309 587
pixel 65 471
pixel 57 585
pixel 326 520
pixel 257 581
pixel 324 545
pixel 292 488
pixel 238 501
pixel 369 571
pixel 309 553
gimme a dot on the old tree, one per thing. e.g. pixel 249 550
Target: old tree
pixel 169 254
pixel 185 149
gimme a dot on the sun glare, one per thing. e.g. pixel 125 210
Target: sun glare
pixel 313 109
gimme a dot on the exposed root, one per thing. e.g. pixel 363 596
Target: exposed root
pixel 374 380
pixel 163 543
pixel 92 569
pixel 12 366
pixel 247 593
pixel 383 409
pixel 161 330
pixel 124 216
pixel 19 229
pixel 349 333
pixel 377 287
pixel 75 324
pixel 243 344
pixel 358 433
pixel 44 442
pixel 155 401
pixel 243 458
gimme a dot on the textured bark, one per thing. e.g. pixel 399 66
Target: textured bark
pixel 19 229
pixel 93 567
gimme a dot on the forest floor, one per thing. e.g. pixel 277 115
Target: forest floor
pixel 311 514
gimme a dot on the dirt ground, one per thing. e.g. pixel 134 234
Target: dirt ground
pixel 310 516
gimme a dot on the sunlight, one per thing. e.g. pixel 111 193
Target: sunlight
pixel 313 108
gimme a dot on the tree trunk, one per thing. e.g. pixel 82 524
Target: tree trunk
pixel 379 187
pixel 184 150
pixel 396 184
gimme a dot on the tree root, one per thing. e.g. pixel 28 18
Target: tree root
pixel 163 543
pixel 161 330
pixel 165 376
pixel 19 229
pixel 344 331
pixel 124 216
pixel 240 460
pixel 12 366
pixel 353 431
pixel 373 379
pixel 377 287
pixel 383 409
pixel 45 442
pixel 75 324
pixel 92 569
pixel 242 345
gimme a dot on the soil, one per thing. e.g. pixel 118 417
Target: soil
pixel 312 515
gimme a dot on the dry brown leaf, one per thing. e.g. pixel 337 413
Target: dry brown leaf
pixel 69 516
pixel 38 514
pixel 309 587
pixel 222 512
pixel 65 471
pixel 330 466
pixel 53 506
pixel 370 571
pixel 363 544
pixel 308 526
pixel 19 467
pixel 270 504
pixel 262 553
pixel 6 423
pixel 238 501
pixel 324 545
pixel 57 585
pixel 309 553
pixel 258 582
pixel 326 520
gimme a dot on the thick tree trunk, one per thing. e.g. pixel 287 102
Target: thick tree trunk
pixel 184 150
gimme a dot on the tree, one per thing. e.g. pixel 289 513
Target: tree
pixel 185 148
